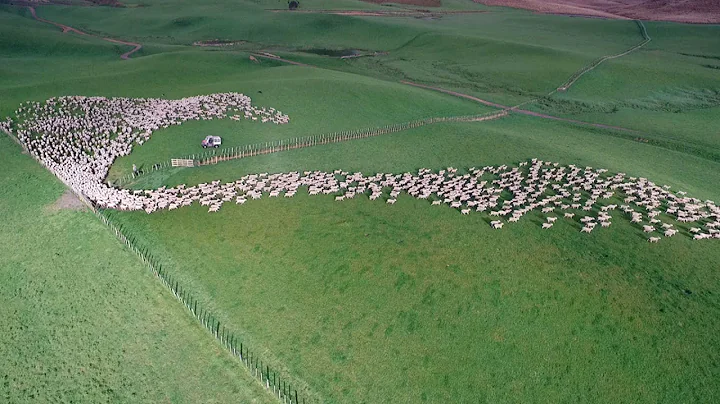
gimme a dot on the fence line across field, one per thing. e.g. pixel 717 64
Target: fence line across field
pixel 215 156
pixel 268 378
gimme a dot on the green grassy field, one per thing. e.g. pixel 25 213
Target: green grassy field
pixel 361 301
pixel 317 102
pixel 464 312
pixel 667 89
pixel 83 320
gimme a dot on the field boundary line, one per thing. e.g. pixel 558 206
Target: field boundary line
pixel 268 378
pixel 251 150
pixel 67 28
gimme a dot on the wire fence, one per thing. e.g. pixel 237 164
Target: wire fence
pixel 214 156
pixel 280 386
pixel 270 379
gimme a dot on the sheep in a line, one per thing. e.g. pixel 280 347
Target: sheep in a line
pixel 78 138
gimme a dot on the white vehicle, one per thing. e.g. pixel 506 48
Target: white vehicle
pixel 211 141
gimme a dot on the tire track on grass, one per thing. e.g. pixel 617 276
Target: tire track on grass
pixel 67 28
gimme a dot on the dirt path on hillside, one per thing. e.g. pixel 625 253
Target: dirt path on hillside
pixel 455 93
pixel 516 109
pixel 66 28
pixel 587 69
pixel 279 59
pixel 513 109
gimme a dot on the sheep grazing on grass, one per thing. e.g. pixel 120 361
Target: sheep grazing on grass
pixel 654 239
pixel 78 138
pixel 547 225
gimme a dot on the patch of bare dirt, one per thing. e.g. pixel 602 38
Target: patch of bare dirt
pixel 67 201
pixel 421 3
pixel 66 28
pixel 687 11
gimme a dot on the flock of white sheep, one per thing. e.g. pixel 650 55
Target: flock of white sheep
pixel 78 138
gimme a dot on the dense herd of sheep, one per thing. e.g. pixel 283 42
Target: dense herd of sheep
pixel 78 138
pixel 589 196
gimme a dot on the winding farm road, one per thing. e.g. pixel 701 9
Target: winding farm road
pixel 518 110
pixel 66 28
pixel 515 109
pixel 576 76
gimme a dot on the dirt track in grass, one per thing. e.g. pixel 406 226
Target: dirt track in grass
pixel 516 109
pixel 67 28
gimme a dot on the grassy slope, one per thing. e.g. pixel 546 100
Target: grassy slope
pixel 665 89
pixel 418 302
pixel 503 141
pixel 504 56
pixel 317 101
pixel 508 56
pixel 83 320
